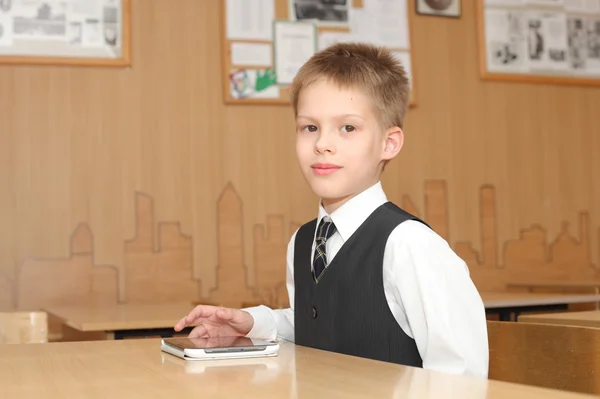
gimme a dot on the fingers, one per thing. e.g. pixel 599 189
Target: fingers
pixel 199 312
pixel 237 319
pixel 240 320
pixel 226 314
pixel 198 332
pixel 233 316
pixel 180 325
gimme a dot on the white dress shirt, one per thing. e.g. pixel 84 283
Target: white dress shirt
pixel 427 287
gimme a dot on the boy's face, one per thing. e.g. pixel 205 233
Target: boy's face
pixel 340 144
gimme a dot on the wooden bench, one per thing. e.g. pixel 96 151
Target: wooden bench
pixel 545 355
pixel 23 327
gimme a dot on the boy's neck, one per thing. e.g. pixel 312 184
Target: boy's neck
pixel 332 204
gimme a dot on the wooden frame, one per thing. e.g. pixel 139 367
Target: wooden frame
pixel 535 76
pixel 121 60
pixel 281 13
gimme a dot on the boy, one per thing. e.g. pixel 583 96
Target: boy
pixel 365 278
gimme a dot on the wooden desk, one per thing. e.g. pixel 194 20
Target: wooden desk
pixel 119 321
pixel 593 286
pixel 137 369
pixel 88 322
pixel 507 303
pixel 578 319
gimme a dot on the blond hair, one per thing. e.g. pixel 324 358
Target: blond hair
pixel 366 67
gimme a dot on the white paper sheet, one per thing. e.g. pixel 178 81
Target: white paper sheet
pixel 593 46
pixel 363 24
pixel 251 54
pixel 547 47
pixel 504 2
pixel 505 41
pixel 295 43
pixel 84 8
pixel 382 22
pixel 583 6
pixel 111 25
pixel 250 19
pixel 546 3
pixel 577 39
pixel 85 28
pixel 327 39
pixel 91 34
pixel 75 32
pixel 584 45
pixel 242 84
pixel 6 29
pixel 40 20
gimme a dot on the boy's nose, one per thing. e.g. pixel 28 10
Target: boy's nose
pixel 324 144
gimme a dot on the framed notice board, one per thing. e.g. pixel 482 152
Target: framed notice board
pixel 65 32
pixel 266 41
pixel 540 41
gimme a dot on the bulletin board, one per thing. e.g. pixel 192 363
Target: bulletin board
pixel 65 32
pixel 540 41
pixel 262 52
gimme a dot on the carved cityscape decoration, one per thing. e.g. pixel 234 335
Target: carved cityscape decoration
pixel 158 260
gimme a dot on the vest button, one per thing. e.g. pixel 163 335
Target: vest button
pixel 314 312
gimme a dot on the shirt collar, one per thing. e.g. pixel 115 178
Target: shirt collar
pixel 348 217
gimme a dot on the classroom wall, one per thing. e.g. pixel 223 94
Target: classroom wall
pixel 139 185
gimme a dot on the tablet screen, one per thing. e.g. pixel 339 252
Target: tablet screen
pixel 216 343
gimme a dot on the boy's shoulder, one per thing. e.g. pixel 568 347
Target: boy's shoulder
pixel 414 231
pixel 403 214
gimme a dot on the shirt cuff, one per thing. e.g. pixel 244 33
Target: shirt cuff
pixel 264 324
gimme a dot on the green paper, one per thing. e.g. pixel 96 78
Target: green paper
pixel 265 79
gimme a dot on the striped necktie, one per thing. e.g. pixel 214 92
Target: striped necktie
pixel 324 232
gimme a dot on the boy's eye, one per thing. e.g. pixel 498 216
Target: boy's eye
pixel 348 128
pixel 310 128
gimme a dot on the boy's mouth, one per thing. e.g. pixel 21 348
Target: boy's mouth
pixel 321 169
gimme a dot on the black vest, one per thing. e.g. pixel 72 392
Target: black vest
pixel 347 311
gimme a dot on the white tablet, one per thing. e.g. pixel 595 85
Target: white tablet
pixel 218 348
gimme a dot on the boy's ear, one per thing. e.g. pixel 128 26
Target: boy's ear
pixel 394 139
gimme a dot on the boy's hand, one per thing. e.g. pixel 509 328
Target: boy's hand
pixel 216 322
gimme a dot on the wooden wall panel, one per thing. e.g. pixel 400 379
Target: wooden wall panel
pixel 62 281
pixel 139 184
pixel 158 262
pixel 6 294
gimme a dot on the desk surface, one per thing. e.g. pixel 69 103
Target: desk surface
pixel 580 319
pixel 120 317
pixel 137 368
pixel 555 284
pixel 511 299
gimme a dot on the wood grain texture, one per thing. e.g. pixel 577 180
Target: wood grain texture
pixel 23 327
pixel 77 278
pixel 528 353
pixel 137 368
pixel 158 261
pixel 120 317
pixel 128 178
pixel 578 319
